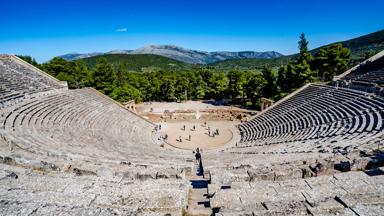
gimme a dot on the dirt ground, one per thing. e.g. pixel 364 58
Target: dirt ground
pixel 173 116
pixel 200 135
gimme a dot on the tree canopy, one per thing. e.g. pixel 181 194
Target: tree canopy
pixel 330 61
pixel 201 82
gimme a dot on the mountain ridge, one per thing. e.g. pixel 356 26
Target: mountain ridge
pixel 181 54
pixel 361 47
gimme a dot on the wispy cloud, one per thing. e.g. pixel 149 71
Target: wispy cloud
pixel 121 30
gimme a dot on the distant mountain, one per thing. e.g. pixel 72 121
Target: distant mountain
pixel 71 56
pixel 182 54
pixel 140 62
pixel 361 47
pixel 75 56
pixel 200 57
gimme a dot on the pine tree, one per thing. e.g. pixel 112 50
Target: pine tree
pixel 104 76
pixel 270 89
pixel 304 54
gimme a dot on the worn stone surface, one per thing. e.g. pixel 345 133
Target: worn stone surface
pixel 76 152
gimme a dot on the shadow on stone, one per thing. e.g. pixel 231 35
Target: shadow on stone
pixel 199 184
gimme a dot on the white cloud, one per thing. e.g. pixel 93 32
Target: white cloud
pixel 121 30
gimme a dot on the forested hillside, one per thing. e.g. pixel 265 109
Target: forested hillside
pixel 157 78
pixel 361 48
pixel 139 62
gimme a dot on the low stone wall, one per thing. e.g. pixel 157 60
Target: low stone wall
pixel 211 114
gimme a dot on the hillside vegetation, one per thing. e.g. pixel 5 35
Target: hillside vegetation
pixel 139 62
pixel 157 78
pixel 361 48
pixel 248 64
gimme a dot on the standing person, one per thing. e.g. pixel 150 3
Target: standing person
pixel 199 164
pixel 197 155
pixel 189 137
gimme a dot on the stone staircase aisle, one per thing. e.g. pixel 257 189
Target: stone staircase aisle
pixel 198 200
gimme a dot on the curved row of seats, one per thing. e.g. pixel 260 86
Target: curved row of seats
pixel 39 115
pixel 76 121
pixel 19 81
pixel 368 76
pixel 318 112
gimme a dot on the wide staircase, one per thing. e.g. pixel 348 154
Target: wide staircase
pixel 198 196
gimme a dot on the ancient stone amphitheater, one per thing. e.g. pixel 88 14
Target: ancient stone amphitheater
pixel 77 152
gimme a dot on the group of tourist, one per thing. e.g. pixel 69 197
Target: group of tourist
pixel 211 132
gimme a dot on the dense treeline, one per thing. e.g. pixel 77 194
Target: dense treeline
pixel 204 82
pixel 361 48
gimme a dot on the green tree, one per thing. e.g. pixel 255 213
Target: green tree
pixel 126 93
pixel 121 74
pixel 255 83
pixel 66 77
pixel 331 60
pixel 167 89
pixel 269 88
pixel 55 66
pixel 303 74
pixel 198 87
pixel 29 59
pixel 181 89
pixel 75 73
pixel 220 85
pixel 235 84
pixel 104 77
pixel 298 71
pixel 82 76
pixel 304 54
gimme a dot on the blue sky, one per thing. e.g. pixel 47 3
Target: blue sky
pixel 44 29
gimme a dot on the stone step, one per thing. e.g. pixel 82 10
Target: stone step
pixel 198 201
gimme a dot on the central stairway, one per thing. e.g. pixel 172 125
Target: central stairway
pixel 198 197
